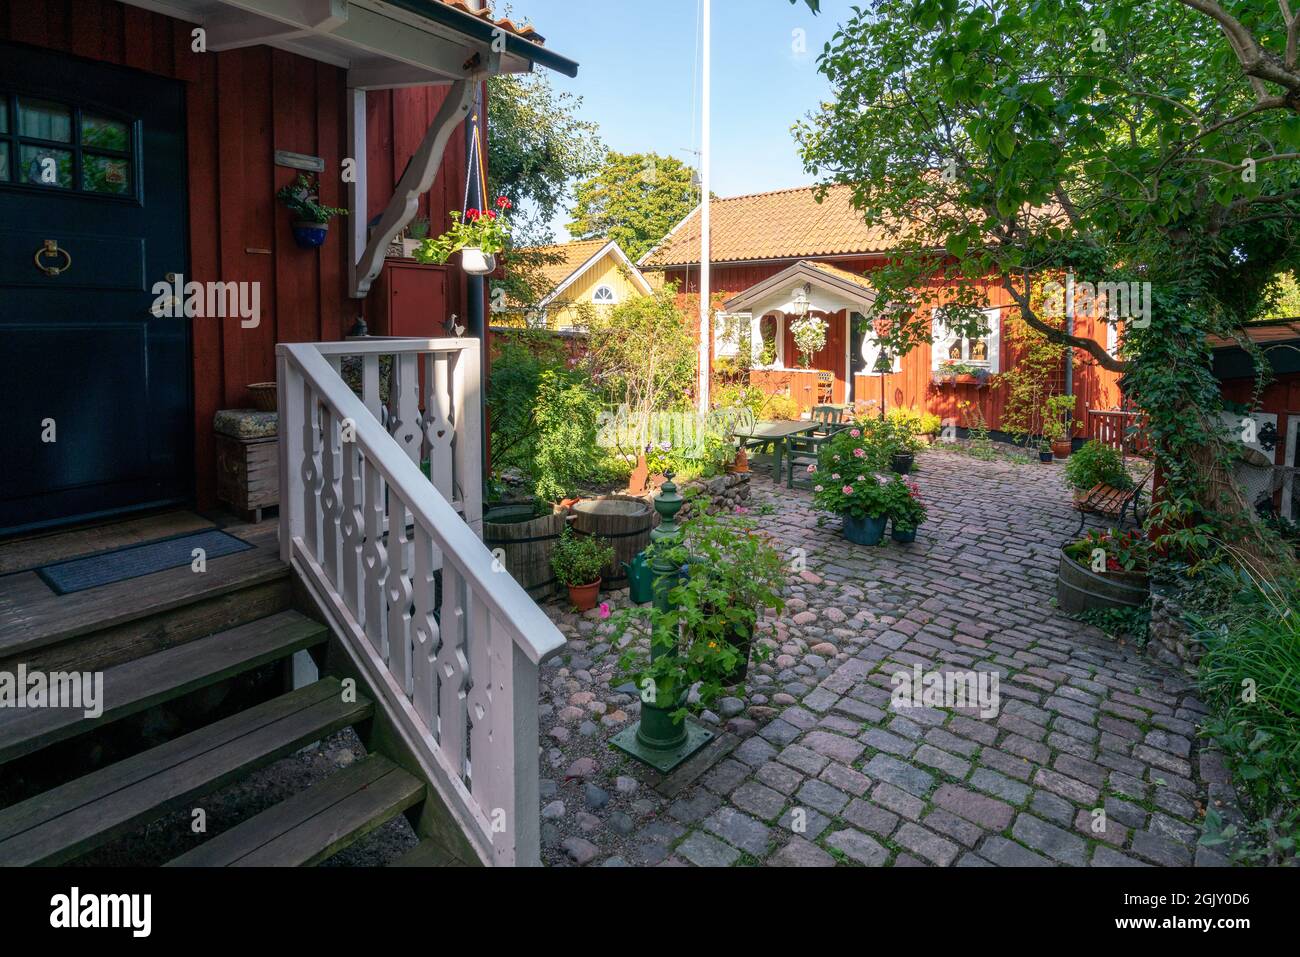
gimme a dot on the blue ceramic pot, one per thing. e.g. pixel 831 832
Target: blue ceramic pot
pixel 310 235
pixel 900 535
pixel 864 531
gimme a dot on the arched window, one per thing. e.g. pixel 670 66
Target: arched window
pixel 603 296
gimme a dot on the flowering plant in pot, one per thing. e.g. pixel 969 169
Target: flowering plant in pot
pixel 729 573
pixel 906 510
pixel 901 444
pixel 311 220
pixel 577 561
pixel 1059 424
pixel 957 372
pixel 850 485
pixel 478 236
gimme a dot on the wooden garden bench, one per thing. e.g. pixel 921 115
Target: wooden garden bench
pixel 1109 501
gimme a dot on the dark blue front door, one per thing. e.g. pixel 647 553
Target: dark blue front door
pixel 95 389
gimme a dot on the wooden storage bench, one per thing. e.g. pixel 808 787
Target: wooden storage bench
pixel 248 461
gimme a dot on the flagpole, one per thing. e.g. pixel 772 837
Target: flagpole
pixel 706 176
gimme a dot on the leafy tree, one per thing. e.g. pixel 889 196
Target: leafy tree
pixel 1147 142
pixel 635 198
pixel 537 146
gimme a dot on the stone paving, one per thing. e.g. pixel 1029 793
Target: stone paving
pixel 1092 758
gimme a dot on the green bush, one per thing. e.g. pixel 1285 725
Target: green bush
pixel 1250 677
pixel 1094 464
pixel 566 454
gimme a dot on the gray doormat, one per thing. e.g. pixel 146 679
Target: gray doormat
pixel 120 564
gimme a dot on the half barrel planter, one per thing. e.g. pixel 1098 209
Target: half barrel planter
pixel 623 522
pixel 527 543
pixel 1079 588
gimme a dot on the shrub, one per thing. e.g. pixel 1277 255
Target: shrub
pixel 845 479
pixel 578 559
pixel 916 421
pixel 566 414
pixel 1096 463
pixel 906 510
pixel 1248 675
pixel 780 407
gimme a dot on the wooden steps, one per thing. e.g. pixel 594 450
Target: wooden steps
pixel 428 853
pixel 153 679
pixel 315 824
pixel 70 820
pixel 100 627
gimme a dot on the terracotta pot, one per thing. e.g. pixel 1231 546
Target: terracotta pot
pixel 584 597
pixel 741 462
pixel 1061 448
pixel 636 482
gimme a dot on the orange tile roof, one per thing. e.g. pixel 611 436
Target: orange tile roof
pixel 525 30
pixel 562 259
pixel 1266 333
pixel 786 224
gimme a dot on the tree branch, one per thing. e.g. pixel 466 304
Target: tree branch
pixel 1090 346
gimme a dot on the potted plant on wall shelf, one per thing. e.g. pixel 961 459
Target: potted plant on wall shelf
pixel 311 220
pixel 417 231
pixel 955 372
pixel 577 561
pixel 478 236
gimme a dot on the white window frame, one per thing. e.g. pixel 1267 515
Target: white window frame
pixel 728 328
pixel 1291 452
pixel 613 296
pixel 941 341
pixel 1112 338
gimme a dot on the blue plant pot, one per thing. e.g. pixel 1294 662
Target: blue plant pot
pixel 864 531
pixel 899 535
pixel 310 235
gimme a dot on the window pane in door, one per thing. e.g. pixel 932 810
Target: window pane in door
pixel 44 166
pixel 4 115
pixel 4 161
pixel 45 120
pixel 103 133
pixel 105 174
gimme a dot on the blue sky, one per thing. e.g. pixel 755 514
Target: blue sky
pixel 639 80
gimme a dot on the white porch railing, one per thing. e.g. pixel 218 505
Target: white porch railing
pixel 449 644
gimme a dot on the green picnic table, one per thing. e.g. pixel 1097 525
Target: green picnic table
pixel 776 434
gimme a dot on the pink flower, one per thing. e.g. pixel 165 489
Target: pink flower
pixel 847 490
pixel 604 609
pixel 857 434
pixel 835 476
pixel 812 469
pixel 859 453
pixel 817 488
pixel 741 510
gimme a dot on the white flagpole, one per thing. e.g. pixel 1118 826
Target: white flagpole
pixel 705 183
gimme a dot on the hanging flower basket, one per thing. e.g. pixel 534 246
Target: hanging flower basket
pixel 478 236
pixel 311 220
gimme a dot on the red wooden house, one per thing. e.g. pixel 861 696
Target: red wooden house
pixel 776 254
pixel 143 141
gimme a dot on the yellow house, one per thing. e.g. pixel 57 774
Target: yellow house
pixel 583 275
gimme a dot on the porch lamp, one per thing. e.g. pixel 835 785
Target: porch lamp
pixel 657 739
pixel 801 302
pixel 884 365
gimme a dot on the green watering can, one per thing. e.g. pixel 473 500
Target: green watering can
pixel 640 579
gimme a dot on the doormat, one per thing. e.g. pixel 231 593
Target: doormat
pixel 121 564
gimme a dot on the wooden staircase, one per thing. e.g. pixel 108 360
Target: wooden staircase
pixel 71 819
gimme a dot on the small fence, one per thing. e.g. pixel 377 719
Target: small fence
pixel 689 431
pixel 1120 429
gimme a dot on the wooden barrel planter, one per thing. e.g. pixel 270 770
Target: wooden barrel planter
pixel 1079 588
pixel 622 520
pixel 528 542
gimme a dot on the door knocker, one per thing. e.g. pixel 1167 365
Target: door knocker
pixel 51 248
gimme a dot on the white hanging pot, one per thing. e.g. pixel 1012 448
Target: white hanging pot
pixel 476 262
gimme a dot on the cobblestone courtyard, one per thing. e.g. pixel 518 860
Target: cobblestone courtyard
pixel 824 772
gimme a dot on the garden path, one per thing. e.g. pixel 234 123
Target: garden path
pixel 826 772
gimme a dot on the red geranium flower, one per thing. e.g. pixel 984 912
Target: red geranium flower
pixel 491 214
pixel 503 203
pixel 472 214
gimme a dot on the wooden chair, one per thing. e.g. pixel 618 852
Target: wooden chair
pixel 802 450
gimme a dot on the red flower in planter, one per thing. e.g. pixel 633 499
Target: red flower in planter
pixel 503 203
pixel 491 214
pixel 472 214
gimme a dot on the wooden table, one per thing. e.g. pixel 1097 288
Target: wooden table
pixel 778 433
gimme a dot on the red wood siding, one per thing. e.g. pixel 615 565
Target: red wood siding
pixel 1095 387
pixel 242 106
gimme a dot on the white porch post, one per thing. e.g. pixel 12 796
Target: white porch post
pixel 755 341
pixel 706 177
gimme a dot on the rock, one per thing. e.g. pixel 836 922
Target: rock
pixel 708 717
pixel 824 648
pixel 730 707
pixel 596 797
pixel 805 618
pixel 560 733
pixel 626 785
pixel 588 822
pixel 579 851
pixel 553 811
pixel 547 788
pixel 621 823
pixel 812 578
pixel 587 729
pixel 569 714
pixel 742 727
pixel 343 757
pixel 580 698
pixel 581 768
pixel 783 699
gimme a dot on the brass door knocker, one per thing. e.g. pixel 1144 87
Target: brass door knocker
pixel 51 248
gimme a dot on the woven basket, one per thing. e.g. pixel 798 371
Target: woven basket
pixel 263 394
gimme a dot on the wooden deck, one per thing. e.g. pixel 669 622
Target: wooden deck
pixel 140 615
